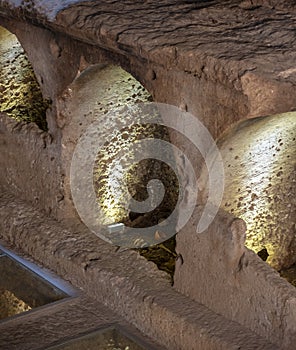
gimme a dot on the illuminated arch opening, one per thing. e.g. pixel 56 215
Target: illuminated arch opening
pixel 260 160
pixel 96 91
pixel 20 97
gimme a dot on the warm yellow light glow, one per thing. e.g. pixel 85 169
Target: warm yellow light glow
pixel 11 305
pixel 260 180
pixel 20 96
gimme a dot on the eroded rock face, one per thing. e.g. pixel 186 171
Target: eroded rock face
pixel 95 103
pixel 260 177
pixel 20 94
pixel 95 92
pixel 221 61
pixel 218 271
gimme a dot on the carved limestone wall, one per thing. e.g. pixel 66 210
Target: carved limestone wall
pixel 216 269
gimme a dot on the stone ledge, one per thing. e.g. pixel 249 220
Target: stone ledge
pixel 220 39
pixel 218 267
pixel 122 281
pixel 205 56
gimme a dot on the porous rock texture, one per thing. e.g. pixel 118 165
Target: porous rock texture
pixel 259 160
pixel 221 61
pixel 20 97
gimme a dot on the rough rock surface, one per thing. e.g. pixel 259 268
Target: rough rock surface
pixel 93 94
pixel 238 54
pixel 217 270
pixel 29 163
pixel 221 61
pixel 20 97
pixel 122 281
pixel 260 184
pixel 95 102
pixel 259 159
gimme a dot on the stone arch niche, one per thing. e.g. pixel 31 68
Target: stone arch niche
pixel 259 160
pixel 257 213
pixel 97 90
pixel 20 97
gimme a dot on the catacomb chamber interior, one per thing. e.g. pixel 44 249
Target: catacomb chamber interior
pixel 102 88
pixel 21 97
pixel 258 156
pixel 267 140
